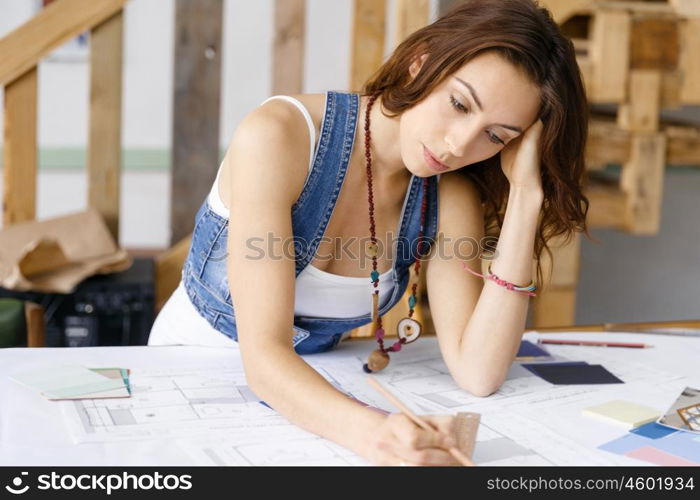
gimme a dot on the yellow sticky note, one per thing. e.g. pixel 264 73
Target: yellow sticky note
pixel 624 413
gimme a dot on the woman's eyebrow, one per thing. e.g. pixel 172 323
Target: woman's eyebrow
pixel 478 103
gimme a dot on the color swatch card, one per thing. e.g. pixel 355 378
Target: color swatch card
pixel 659 445
pixel 115 373
pixel 570 373
pixel 76 382
pixel 528 351
pixel 623 413
pixel 684 413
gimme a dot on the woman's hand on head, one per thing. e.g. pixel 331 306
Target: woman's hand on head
pixel 398 441
pixel 520 159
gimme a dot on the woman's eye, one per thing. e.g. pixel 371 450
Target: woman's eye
pixel 495 139
pixel 458 105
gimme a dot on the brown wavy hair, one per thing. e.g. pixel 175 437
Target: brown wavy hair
pixel 524 34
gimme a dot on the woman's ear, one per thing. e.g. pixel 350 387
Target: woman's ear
pixel 416 65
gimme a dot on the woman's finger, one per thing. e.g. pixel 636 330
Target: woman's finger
pixel 532 135
pixel 414 437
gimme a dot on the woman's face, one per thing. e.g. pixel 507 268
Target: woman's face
pixel 469 117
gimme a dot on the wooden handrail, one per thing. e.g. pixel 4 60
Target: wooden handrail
pixel 59 22
pixel 22 50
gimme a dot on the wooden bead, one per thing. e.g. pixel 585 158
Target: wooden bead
pixel 378 360
pixel 372 249
pixel 408 329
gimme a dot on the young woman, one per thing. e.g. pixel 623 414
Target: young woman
pixel 484 111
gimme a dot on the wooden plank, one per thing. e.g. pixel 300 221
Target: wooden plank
pixel 20 149
pixel 690 61
pixel 607 143
pixel 683 145
pixel 643 7
pixel 655 44
pixel 581 45
pixel 555 308
pixel 288 47
pixel 444 6
pixel 555 303
pixel 196 103
pixel 686 8
pixel 670 90
pixel 59 22
pixel 168 270
pixel 642 180
pixel 411 15
pixel 609 55
pixel 670 82
pixel 36 326
pixel 105 121
pixel 608 206
pixel 563 10
pixel 641 112
pixel 565 265
pixel 369 19
pixel 585 66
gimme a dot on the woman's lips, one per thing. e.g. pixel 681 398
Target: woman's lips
pixel 432 162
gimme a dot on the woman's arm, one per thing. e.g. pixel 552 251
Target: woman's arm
pixel 479 326
pixel 268 168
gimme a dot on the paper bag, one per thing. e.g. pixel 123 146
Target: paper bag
pixel 54 255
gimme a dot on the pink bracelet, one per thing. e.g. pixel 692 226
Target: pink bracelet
pixel 526 290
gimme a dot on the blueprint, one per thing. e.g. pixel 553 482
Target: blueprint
pixel 176 402
pixel 213 417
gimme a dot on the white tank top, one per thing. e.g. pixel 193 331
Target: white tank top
pixel 319 293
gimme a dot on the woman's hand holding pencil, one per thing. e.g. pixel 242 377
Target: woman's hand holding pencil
pixel 406 439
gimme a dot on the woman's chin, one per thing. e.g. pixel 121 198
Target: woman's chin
pixel 422 171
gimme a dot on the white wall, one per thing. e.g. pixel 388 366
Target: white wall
pixel 148 68
pixel 147 96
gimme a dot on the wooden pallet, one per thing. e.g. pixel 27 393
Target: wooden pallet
pixel 639 56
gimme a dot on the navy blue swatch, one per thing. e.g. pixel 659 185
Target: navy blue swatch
pixel 572 374
pixel 529 349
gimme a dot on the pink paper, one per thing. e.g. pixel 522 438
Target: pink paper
pixel 658 457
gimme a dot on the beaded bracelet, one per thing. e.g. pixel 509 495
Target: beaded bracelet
pixel 526 290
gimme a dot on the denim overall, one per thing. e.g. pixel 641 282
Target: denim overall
pixel 204 271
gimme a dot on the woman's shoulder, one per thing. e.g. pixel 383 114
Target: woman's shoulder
pixel 272 142
pixel 313 103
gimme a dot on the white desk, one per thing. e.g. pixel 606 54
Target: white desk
pixel 525 416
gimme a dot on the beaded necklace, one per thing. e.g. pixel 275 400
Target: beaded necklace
pixel 408 329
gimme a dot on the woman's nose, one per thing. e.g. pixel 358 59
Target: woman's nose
pixel 456 147
pixel 462 138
